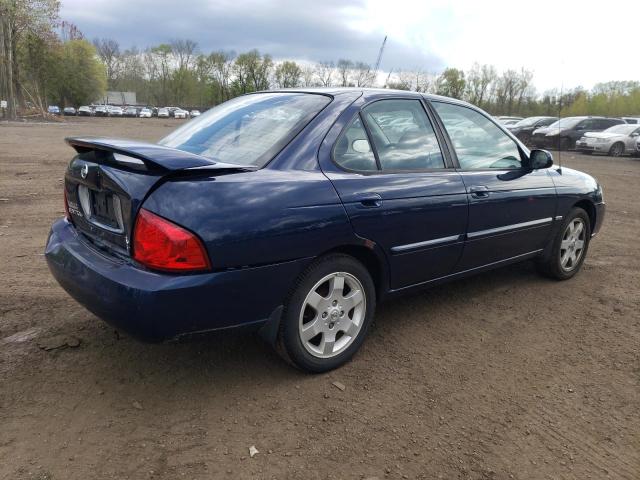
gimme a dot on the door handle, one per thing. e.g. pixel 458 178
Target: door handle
pixel 370 200
pixel 479 191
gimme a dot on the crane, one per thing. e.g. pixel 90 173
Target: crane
pixel 374 75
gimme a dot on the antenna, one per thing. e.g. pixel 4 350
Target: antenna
pixel 559 118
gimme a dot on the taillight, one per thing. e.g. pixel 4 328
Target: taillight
pixel 163 245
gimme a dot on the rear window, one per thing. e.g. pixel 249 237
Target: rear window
pixel 248 130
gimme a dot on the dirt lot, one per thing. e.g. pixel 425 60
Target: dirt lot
pixel 506 375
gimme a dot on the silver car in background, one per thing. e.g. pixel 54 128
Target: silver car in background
pixel 614 141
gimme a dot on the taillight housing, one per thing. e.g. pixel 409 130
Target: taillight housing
pixel 162 245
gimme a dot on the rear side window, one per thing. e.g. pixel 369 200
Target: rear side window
pixel 352 150
pixel 478 142
pixel 248 130
pixel 402 135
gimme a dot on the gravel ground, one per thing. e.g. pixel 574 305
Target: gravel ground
pixel 505 375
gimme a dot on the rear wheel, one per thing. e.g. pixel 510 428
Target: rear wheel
pixel 328 314
pixel 569 247
pixel 616 150
pixel 565 144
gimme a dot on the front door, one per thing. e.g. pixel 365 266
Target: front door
pixel 511 209
pixel 398 190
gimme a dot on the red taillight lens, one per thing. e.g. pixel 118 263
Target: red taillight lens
pixel 160 244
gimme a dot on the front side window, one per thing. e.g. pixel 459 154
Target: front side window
pixel 402 135
pixel 248 130
pixel 478 142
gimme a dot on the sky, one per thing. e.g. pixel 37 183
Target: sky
pixel 566 43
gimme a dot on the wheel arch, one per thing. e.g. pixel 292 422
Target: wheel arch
pixel 373 261
pixel 589 207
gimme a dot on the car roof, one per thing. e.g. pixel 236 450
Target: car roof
pixel 388 92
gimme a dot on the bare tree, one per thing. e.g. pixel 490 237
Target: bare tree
pixel 308 74
pixel 361 74
pixel 325 72
pixel 222 64
pixel 109 52
pixel 183 52
pixel 344 70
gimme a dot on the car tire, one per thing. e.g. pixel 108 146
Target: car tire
pixel 327 315
pixel 616 150
pixel 569 248
pixel 565 144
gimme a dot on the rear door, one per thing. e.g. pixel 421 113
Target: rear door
pixel 511 210
pixel 398 188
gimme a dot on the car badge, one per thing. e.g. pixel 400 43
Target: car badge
pixel 84 171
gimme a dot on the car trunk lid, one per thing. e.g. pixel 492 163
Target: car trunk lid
pixel 109 179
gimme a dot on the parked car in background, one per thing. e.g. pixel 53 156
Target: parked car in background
pixel 163 113
pixel 638 147
pixel 85 111
pixel 131 112
pixel 53 110
pixel 631 120
pixel 506 120
pixel 179 113
pixel 69 111
pixel 524 128
pixel 194 113
pixel 614 141
pixel 115 111
pixel 101 111
pixel 145 113
pixel 564 133
pixel 296 236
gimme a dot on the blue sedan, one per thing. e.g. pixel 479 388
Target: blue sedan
pixel 296 212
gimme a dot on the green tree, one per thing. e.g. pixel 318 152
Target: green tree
pixel 451 83
pixel 81 76
pixel 288 75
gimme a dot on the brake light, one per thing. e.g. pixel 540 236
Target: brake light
pixel 163 245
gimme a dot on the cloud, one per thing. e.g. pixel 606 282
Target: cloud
pixel 314 31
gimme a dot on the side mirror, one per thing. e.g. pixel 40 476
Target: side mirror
pixel 361 146
pixel 540 159
pixel 635 134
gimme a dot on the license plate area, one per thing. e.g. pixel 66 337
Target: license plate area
pixel 101 208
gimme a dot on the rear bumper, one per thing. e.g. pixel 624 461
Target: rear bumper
pixel 155 306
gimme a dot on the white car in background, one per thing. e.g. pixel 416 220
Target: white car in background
pixel 179 113
pixel 115 111
pixel 163 113
pixel 145 113
pixel 195 113
pixel 614 141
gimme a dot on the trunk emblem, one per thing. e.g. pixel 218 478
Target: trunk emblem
pixel 84 171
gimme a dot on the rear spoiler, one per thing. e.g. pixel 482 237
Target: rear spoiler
pixel 148 156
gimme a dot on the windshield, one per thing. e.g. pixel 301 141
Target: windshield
pixel 248 130
pixel 566 122
pixel 624 129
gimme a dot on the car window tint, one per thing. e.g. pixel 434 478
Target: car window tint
pixel 478 142
pixel 403 135
pixel 352 150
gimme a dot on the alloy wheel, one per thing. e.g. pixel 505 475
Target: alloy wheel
pixel 572 245
pixel 332 315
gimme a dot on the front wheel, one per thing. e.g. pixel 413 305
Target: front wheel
pixel 616 150
pixel 328 314
pixel 569 247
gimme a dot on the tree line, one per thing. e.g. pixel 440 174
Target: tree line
pixel 47 61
